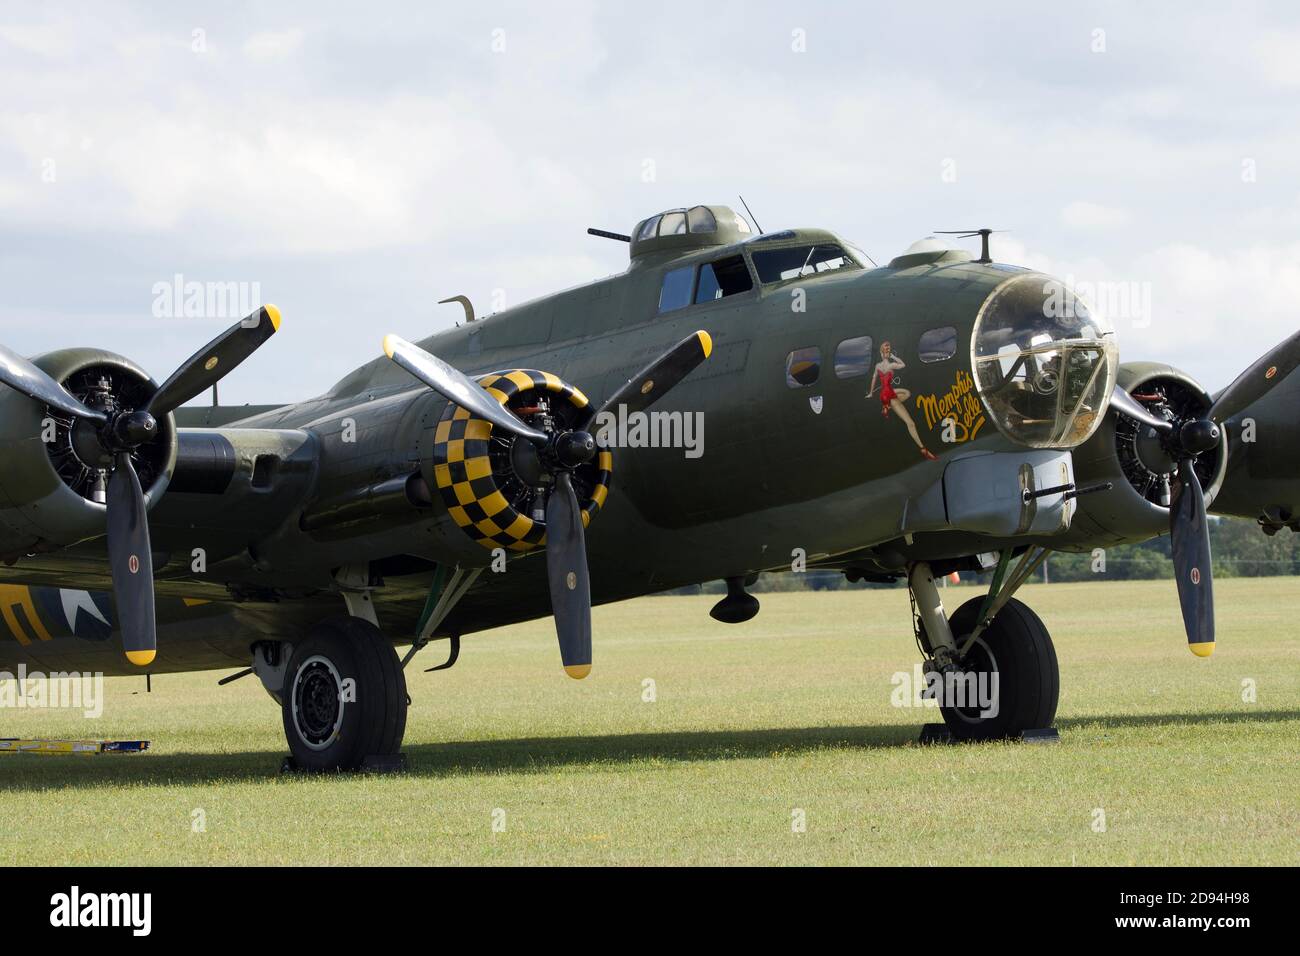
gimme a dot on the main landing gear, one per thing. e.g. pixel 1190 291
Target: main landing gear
pixel 991 665
pixel 342 688
pixel 344 697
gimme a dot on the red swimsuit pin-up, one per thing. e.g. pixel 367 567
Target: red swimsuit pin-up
pixel 895 398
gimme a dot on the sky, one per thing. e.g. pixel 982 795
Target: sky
pixel 354 163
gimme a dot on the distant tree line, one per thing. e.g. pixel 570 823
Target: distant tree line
pixel 1240 549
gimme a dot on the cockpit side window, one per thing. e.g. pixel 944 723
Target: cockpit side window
pixel 676 290
pixel 729 276
pixel 791 262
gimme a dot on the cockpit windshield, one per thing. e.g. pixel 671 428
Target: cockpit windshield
pixel 791 262
pixel 1044 365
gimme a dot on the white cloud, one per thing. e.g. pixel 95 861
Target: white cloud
pixel 1276 59
pixel 43 39
pixel 361 168
pixel 1089 215
pixel 269 46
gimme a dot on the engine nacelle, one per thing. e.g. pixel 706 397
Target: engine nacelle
pixel 491 484
pixel 1132 457
pixel 52 482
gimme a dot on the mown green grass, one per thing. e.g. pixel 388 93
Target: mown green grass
pixel 752 722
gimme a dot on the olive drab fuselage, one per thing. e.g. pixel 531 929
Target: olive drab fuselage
pixel 792 459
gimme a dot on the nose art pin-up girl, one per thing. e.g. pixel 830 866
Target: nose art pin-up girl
pixel 893 399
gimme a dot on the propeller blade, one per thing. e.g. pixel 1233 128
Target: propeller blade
pixel 664 373
pixel 21 375
pixel 1190 534
pixel 131 562
pixel 1126 404
pixel 566 567
pixel 455 386
pixel 1252 384
pixel 209 365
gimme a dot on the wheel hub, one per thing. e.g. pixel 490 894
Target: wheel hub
pixel 317 702
pixel 979 660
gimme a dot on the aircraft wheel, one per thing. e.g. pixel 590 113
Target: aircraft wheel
pixel 344 697
pixel 1018 648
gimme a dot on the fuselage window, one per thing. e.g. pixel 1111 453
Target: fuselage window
pixel 853 357
pixel 802 367
pixel 676 290
pixel 781 265
pixel 729 276
pixel 647 230
pixel 938 344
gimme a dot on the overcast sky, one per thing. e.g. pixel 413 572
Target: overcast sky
pixel 360 162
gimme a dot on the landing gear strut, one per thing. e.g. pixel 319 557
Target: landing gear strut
pixel 999 672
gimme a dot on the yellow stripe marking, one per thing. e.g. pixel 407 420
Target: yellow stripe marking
pixel 7 611
pixel 15 595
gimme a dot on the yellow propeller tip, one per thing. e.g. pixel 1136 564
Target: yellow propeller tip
pixel 390 345
pixel 706 342
pixel 578 671
pixel 1203 649
pixel 273 314
pixel 140 658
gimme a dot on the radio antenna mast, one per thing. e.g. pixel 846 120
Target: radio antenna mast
pixel 971 234
pixel 751 215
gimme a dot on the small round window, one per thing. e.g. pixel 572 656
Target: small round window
pixel 853 357
pixel 936 345
pixel 803 367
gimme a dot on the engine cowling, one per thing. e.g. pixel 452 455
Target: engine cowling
pixel 491 482
pixel 52 482
pixel 1131 457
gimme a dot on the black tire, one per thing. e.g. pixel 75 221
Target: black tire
pixel 1018 647
pixel 327 729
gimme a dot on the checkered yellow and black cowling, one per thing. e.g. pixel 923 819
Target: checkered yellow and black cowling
pixel 462 466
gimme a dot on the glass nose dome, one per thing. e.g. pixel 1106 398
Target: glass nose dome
pixel 1044 365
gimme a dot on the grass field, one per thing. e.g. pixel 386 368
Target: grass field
pixel 750 724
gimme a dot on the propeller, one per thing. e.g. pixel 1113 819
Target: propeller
pixel 559 452
pixel 119 431
pixel 650 384
pixel 566 569
pixel 1185 440
pixel 1190 533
